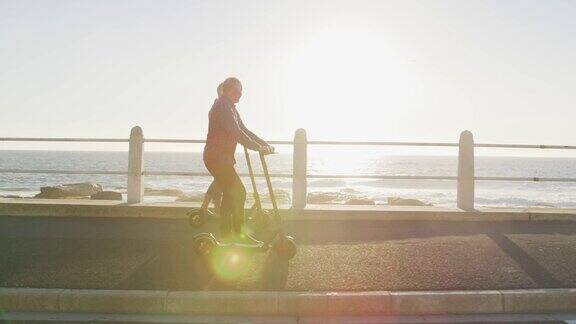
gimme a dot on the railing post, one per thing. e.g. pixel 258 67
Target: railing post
pixel 299 170
pixel 135 166
pixel 466 171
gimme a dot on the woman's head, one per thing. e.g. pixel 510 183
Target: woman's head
pixel 231 88
pixel 219 90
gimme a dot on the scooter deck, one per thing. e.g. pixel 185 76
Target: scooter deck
pixel 242 245
pixel 266 245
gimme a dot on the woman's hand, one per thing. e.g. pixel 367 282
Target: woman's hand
pixel 266 149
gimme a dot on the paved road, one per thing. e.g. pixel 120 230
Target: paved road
pixel 333 255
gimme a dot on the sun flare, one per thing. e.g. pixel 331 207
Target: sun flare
pixel 332 79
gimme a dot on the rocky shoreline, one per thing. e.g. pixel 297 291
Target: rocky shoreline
pixel 94 191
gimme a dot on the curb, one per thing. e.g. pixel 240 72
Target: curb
pixel 288 303
pixel 112 209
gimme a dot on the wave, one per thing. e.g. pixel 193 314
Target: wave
pixel 512 201
pixel 346 196
pixel 408 184
pixel 170 192
pixel 326 183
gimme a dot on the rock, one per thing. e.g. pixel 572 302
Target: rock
pixel 164 192
pixel 69 190
pixel 324 198
pixel 191 198
pixel 545 205
pixel 106 195
pixel 359 201
pixel 282 196
pixel 397 201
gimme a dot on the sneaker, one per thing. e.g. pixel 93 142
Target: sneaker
pixel 247 239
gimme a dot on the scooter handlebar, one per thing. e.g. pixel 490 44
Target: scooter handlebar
pixel 266 150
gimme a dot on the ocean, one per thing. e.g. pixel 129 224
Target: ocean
pixel 333 191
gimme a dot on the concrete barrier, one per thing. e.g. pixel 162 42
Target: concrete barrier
pixel 114 209
pixel 288 303
pixel 548 215
pixel 222 303
pixel 29 299
pixel 113 301
pixel 539 300
pixel 303 303
pixel 446 302
pixel 360 303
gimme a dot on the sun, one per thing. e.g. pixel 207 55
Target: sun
pixel 337 79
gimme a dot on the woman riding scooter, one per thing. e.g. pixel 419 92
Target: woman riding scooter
pixel 225 130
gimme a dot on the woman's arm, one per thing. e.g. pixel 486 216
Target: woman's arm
pixel 249 133
pixel 231 125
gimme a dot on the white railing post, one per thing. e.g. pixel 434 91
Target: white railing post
pixel 135 166
pixel 299 170
pixel 466 171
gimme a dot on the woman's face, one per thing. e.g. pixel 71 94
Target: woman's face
pixel 234 93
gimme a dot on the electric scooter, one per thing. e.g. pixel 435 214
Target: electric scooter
pixel 205 243
pixel 256 214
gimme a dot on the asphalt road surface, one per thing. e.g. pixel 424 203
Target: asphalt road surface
pixel 104 253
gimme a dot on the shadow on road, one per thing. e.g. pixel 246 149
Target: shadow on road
pixel 529 265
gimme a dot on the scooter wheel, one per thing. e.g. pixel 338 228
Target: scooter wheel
pixel 204 244
pixel 196 218
pixel 286 247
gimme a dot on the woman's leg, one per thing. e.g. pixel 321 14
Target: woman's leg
pixel 226 212
pixel 222 179
pixel 239 200
pixel 210 195
pixel 227 180
pixel 217 199
pixel 238 221
pixel 234 198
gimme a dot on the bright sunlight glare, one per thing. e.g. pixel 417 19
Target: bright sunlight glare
pixel 339 70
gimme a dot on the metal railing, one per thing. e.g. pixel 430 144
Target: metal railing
pixel 135 172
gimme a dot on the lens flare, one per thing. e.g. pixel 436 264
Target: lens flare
pixel 230 264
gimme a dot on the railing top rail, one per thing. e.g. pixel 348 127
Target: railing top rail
pixel 169 140
pixel 61 139
pixel 380 143
pixel 284 175
pixel 567 147
pixel 313 142
pixel 175 140
pixel 83 172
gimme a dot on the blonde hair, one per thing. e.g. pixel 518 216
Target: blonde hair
pixel 219 90
pixel 227 84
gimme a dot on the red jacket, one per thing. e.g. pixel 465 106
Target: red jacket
pixel 225 130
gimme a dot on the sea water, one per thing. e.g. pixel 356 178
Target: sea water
pixel 334 191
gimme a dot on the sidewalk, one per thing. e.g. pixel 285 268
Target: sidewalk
pixel 95 208
pixel 289 304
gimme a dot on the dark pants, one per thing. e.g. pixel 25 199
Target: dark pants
pixel 234 197
pixel 214 194
pixel 214 191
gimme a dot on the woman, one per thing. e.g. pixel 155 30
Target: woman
pixel 214 193
pixel 225 131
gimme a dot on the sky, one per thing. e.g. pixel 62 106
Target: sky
pixel 342 70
